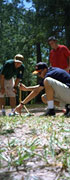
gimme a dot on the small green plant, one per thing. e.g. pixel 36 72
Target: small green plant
pixel 33 139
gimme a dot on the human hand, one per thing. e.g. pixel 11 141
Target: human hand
pixel 18 108
pixel 67 69
pixel 15 89
pixel 22 87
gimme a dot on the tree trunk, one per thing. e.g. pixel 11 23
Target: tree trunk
pixel 67 24
pixel 39 59
pixel 67 31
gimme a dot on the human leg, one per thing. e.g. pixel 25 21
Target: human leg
pixel 50 98
pixel 61 91
pixel 13 102
pixel 9 92
pixel 2 98
pixel 2 102
pixel 57 89
pixel 44 100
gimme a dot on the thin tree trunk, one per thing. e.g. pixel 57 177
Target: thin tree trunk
pixel 67 24
pixel 39 59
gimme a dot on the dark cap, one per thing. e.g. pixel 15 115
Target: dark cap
pixel 39 67
pixel 52 38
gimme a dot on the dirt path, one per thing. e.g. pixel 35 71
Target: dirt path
pixel 26 130
pixel 36 111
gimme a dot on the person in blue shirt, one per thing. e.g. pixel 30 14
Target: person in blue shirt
pixel 55 82
pixel 10 74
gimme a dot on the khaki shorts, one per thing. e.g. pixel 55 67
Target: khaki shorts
pixel 61 91
pixel 8 84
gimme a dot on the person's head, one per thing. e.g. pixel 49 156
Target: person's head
pixel 18 59
pixel 52 41
pixel 41 69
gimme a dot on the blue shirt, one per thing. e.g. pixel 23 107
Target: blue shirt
pixel 58 74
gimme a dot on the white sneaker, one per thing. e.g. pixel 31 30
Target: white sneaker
pixel 13 114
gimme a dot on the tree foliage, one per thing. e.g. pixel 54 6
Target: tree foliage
pixel 26 31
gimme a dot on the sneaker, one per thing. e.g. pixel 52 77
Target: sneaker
pixel 67 107
pixel 68 115
pixel 13 114
pixel 50 112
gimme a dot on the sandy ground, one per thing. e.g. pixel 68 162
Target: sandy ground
pixel 37 111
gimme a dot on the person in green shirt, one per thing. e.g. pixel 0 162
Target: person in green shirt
pixel 8 84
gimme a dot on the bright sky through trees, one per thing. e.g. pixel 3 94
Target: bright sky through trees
pixel 27 4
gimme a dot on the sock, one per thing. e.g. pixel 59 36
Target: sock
pixel 50 104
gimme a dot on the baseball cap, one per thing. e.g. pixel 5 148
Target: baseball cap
pixel 39 67
pixel 19 57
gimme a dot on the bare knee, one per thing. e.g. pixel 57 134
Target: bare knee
pixel 48 85
pixel 44 99
pixel 46 82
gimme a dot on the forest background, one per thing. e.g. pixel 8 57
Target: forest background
pixel 26 31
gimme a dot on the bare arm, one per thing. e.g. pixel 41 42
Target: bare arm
pixel 69 62
pixel 15 85
pixel 32 95
pixel 17 82
pixel 68 68
pixel 30 88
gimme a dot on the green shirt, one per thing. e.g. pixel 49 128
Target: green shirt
pixel 9 70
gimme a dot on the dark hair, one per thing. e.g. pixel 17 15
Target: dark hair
pixel 41 65
pixel 52 38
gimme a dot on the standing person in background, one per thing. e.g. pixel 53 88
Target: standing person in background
pixel 8 84
pixel 59 55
